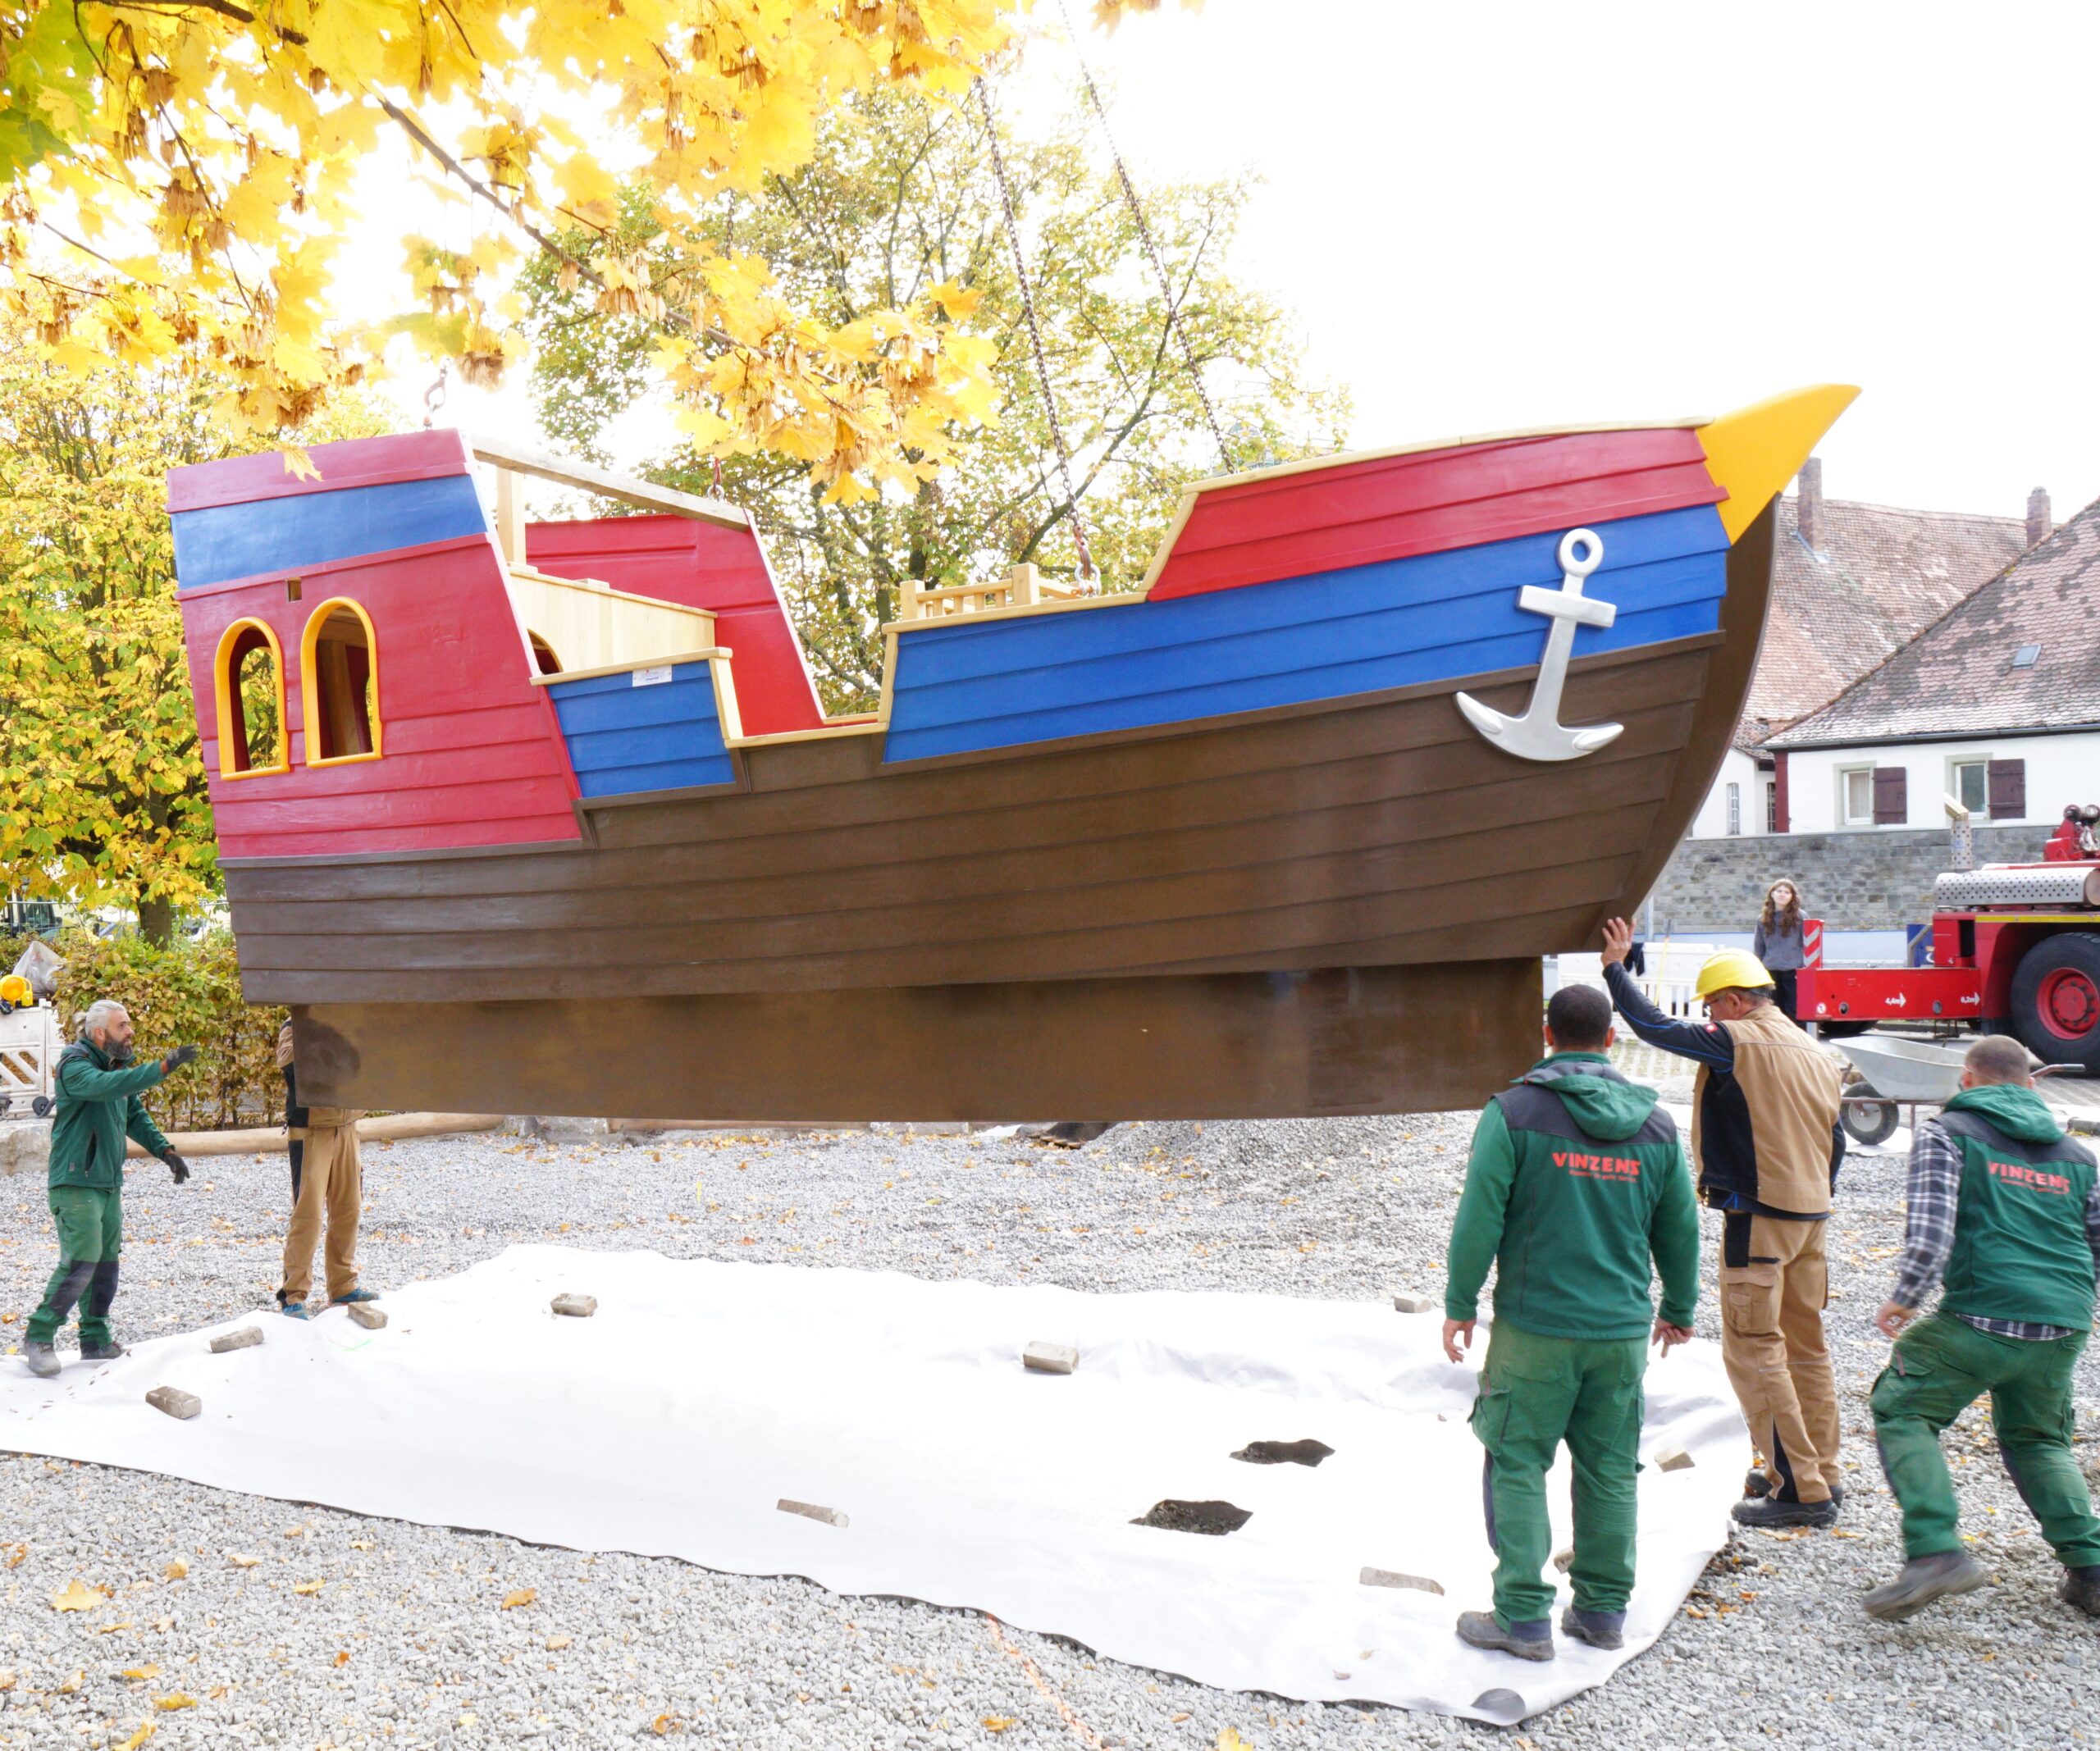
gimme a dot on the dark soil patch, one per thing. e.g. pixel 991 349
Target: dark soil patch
pixel 1284 1452
pixel 1212 1519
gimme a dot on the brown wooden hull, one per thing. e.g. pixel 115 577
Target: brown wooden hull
pixel 824 896
pixel 1374 1040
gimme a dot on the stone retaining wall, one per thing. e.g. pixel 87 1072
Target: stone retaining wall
pixel 1855 880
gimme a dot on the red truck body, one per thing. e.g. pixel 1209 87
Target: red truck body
pixel 2015 949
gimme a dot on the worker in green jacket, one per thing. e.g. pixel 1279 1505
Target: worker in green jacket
pixel 1576 1181
pixel 2004 1215
pixel 98 1107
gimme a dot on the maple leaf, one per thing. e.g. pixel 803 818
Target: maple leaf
pixel 78 1596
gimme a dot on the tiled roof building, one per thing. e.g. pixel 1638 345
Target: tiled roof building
pixel 2019 654
pixel 1851 583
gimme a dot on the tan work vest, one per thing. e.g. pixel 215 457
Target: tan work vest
pixel 1792 1087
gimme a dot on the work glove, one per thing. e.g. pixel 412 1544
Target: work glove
pixel 179 1168
pixel 175 1060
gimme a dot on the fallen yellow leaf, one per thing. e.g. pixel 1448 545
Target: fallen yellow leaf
pixel 342 1656
pixel 7 1679
pixel 145 1732
pixel 522 1596
pixel 661 1724
pixel 78 1597
pixel 110 1629
pixel 241 1560
pixel 137 1673
pixel 177 1570
pixel 180 1699
pixel 21 1554
pixel 555 1643
pixel 996 1723
pixel 1229 1739
pixel 68 1686
pixel 308 1589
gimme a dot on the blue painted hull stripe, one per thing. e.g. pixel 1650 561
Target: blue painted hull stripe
pixel 226 542
pixel 622 738
pixel 967 687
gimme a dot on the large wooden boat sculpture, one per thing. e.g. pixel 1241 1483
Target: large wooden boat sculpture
pixel 555 821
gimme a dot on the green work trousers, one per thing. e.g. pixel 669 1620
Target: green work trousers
pixel 90 1223
pixel 1937 1369
pixel 1535 1392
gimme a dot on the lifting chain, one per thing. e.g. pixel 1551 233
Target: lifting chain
pixel 434 396
pixel 1151 249
pixel 1035 334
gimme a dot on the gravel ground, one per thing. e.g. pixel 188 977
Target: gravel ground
pixel 408 1641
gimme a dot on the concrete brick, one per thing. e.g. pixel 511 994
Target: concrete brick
pixel 1673 1459
pixel 1392 1578
pixel 1051 1358
pixel 25 1146
pixel 810 1510
pixel 366 1315
pixel 576 1306
pixel 1413 1303
pixel 246 1338
pixel 175 1402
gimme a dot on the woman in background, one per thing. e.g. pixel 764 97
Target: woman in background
pixel 1777 941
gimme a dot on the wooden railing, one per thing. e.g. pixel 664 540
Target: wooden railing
pixel 1021 587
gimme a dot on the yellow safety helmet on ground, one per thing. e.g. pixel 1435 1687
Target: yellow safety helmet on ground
pixel 15 993
pixel 1733 969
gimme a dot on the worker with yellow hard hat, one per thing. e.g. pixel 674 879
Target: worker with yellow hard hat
pixel 1765 1137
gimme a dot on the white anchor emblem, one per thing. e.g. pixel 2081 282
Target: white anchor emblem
pixel 1540 735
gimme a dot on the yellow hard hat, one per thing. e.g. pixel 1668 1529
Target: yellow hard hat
pixel 1732 969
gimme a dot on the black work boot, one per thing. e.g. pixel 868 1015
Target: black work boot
pixel 1527 1641
pixel 103 1353
pixel 2081 1589
pixel 1599 1628
pixel 1771 1512
pixel 1756 1484
pixel 41 1360
pixel 1923 1579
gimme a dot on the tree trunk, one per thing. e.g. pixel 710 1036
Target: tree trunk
pixel 156 922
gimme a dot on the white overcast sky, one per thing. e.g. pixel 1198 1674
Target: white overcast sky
pixel 1484 216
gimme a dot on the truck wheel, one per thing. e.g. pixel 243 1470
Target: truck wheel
pixel 2056 1000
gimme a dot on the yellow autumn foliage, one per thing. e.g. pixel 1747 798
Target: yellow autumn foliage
pixel 181 174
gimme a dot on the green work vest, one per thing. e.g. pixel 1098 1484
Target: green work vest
pixel 1585 1203
pixel 2020 1250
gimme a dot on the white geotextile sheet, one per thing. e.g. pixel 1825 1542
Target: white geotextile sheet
pixel 673 1422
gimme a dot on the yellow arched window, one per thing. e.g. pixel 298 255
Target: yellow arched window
pixel 338 678
pixel 248 679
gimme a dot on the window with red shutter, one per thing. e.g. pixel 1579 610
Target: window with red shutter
pixel 2007 783
pixel 1891 795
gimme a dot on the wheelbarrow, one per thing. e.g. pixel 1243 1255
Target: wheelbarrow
pixel 1894 1077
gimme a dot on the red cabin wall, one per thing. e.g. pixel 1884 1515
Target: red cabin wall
pixel 699 565
pixel 472 754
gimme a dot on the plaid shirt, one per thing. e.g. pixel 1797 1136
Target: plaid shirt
pixel 1935 1191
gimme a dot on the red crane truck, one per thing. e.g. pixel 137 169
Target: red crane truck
pixel 2015 949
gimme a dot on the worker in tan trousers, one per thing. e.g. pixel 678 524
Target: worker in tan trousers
pixel 327 1189
pixel 1764 1132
